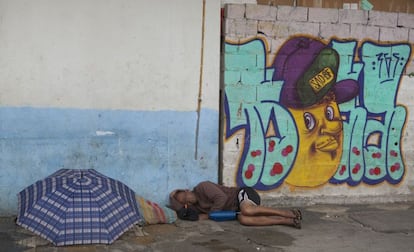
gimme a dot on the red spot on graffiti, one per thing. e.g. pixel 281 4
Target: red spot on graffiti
pixel 375 171
pixel 248 174
pixel 393 153
pixel 356 168
pixel 256 153
pixel 251 167
pixel 376 155
pixel 271 147
pixel 286 151
pixel 395 167
pixel 356 151
pixel 343 169
pixel 277 169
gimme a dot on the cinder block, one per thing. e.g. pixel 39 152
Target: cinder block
pixel 251 28
pixel 265 27
pixel 230 26
pixel 405 20
pixel 268 91
pixel 323 15
pixel 381 18
pixel 284 29
pixel 275 44
pixel 242 27
pixel 304 28
pixel 235 11
pixel 261 12
pixel 233 38
pixel 361 32
pixel 335 30
pixel 410 69
pixel 353 16
pixel 234 144
pixel 289 13
pixel 411 36
pixel 393 34
pixel 281 29
pixel 240 94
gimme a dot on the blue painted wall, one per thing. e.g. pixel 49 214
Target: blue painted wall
pixel 151 152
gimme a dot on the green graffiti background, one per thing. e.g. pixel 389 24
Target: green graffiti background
pixel 373 122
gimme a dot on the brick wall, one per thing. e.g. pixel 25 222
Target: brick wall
pixel 377 5
pixel 280 22
pixel 263 138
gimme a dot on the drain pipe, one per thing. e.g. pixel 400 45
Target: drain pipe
pixel 200 82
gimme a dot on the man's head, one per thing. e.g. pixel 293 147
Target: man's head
pixel 181 198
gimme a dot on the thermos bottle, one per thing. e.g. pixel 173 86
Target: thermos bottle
pixel 223 215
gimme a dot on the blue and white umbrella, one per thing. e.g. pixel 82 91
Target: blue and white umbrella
pixel 74 206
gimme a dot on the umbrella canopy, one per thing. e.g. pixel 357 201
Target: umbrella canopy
pixel 74 206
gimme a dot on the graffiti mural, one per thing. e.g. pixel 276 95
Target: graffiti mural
pixel 319 112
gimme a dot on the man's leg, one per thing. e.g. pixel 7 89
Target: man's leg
pixel 248 209
pixel 249 205
pixel 267 221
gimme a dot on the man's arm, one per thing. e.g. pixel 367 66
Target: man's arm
pixel 214 194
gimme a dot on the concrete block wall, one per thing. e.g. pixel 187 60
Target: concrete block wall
pixel 323 23
pixel 254 39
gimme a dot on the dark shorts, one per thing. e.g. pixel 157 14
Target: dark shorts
pixel 248 194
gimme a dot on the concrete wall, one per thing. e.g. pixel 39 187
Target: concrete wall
pixel 280 133
pixel 116 86
pixel 109 85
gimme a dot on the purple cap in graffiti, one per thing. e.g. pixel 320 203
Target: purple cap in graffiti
pixel 309 70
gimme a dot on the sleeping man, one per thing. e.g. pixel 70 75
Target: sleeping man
pixel 208 197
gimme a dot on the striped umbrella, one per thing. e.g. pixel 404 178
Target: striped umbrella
pixel 75 206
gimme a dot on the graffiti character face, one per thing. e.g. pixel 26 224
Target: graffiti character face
pixel 312 92
pixel 320 143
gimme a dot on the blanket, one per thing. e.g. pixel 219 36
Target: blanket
pixel 153 213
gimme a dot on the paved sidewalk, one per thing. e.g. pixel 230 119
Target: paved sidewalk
pixel 373 227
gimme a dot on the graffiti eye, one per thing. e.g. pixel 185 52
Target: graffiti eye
pixel 329 113
pixel 309 120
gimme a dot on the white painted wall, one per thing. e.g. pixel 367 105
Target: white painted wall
pixel 112 85
pixel 139 55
